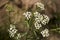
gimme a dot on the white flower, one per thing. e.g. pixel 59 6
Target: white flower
pixel 27 15
pixel 18 36
pixel 46 20
pixel 12 26
pixel 38 17
pixel 45 33
pixel 37 25
pixel 37 20
pixel 40 5
pixel 36 14
pixel 12 30
pixel 46 17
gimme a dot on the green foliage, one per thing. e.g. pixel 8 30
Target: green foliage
pixel 9 8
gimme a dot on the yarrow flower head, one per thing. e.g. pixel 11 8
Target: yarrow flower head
pixel 40 19
pixel 37 25
pixel 45 33
pixel 27 15
pixel 40 5
pixel 46 20
pixel 18 36
pixel 12 30
pixel 38 16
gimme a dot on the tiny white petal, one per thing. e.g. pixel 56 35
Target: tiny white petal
pixel 27 15
pixel 46 20
pixel 37 25
pixel 19 35
pixel 45 33
pixel 36 14
pixel 12 30
pixel 40 5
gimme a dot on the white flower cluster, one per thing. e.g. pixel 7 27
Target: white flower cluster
pixel 45 33
pixel 37 25
pixel 27 15
pixel 40 5
pixel 40 19
pixel 18 36
pixel 45 20
pixel 12 30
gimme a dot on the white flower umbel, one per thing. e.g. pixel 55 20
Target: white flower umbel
pixel 40 5
pixel 46 20
pixel 27 15
pixel 12 30
pixel 45 33
pixel 38 19
pixel 37 25
pixel 38 16
pixel 18 36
